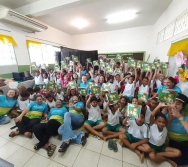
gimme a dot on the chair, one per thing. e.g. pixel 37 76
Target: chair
pixel 27 76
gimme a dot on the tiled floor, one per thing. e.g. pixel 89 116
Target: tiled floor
pixel 95 153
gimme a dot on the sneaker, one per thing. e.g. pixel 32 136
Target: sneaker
pixel 63 147
pixel 83 140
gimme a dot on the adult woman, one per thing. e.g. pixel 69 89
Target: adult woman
pixel 72 119
pixel 101 80
pixel 178 128
pixel 168 83
pixel 43 131
pixel 6 104
pixel 29 117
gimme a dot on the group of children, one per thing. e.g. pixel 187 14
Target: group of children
pixel 146 133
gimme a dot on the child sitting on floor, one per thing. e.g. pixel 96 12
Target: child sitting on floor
pixel 137 135
pixel 94 121
pixel 50 101
pixel 158 152
pixel 113 128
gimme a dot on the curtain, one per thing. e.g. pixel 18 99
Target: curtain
pixel 7 40
pixel 81 54
pixel 178 47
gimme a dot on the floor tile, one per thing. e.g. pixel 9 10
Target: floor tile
pixel 37 161
pixel 5 128
pixel 20 140
pixel 105 161
pixel 85 158
pixel 94 144
pixel 43 152
pixel 69 156
pixel 110 153
pixel 152 164
pixel 55 164
pixel 20 157
pixel 8 149
pixel 125 164
pixel 30 144
pixel 3 141
pixel 131 158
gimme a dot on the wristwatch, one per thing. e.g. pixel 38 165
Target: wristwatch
pixel 180 118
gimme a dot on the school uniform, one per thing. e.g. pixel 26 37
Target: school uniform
pixel 23 104
pixel 113 121
pixel 94 117
pixel 39 80
pixel 144 89
pixel 129 90
pixel 50 104
pixel 157 138
pixel 137 132
pixel 147 115
pixel 46 80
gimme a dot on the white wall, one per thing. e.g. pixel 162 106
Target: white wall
pixel 176 8
pixel 51 36
pixel 126 40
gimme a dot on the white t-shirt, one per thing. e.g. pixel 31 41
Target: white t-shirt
pixel 144 89
pixel 52 76
pixel 58 81
pixel 129 89
pixel 157 138
pixel 50 104
pixel 22 104
pixel 60 96
pixel 94 113
pixel 140 132
pixel 39 80
pixel 148 115
pixel 112 87
pixel 113 119
pixel 158 83
pixel 46 80
pixel 117 83
pixel 151 84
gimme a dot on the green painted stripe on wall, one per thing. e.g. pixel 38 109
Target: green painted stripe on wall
pixel 23 68
pixel 6 75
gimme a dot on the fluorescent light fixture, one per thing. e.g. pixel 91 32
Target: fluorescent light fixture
pixel 80 23
pixel 121 16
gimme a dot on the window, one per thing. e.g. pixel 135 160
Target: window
pixel 169 31
pixel 181 24
pixel 7 55
pixel 41 53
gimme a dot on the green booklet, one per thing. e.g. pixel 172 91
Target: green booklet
pixel 102 64
pixel 82 91
pixel 96 90
pixel 88 60
pixel 72 84
pixel 90 85
pixel 131 63
pixel 139 64
pixel 43 66
pixel 106 87
pixel 34 67
pixel 58 86
pixel 143 96
pixel 113 98
pixel 118 58
pixel 109 71
pixel 118 71
pixel 64 66
pixel 50 86
pixel 133 110
pixel 167 96
pixel 164 65
pixel 146 67
pixel 95 63
pixel 75 58
pixel 153 66
pixel 57 69
pixel 67 58
pixel 156 61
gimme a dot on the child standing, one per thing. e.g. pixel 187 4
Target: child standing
pixel 113 128
pixel 158 133
pixel 94 121
pixel 137 135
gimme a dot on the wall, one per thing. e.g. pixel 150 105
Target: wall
pixel 126 40
pixel 51 36
pixel 175 9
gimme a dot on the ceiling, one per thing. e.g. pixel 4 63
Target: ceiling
pixel 59 14
pixel 16 3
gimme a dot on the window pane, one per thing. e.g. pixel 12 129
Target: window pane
pixel 36 55
pixel 181 24
pixel 7 55
pixel 169 31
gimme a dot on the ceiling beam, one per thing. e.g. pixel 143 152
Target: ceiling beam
pixel 43 7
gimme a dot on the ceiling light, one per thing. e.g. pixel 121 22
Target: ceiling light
pixel 121 16
pixel 80 23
